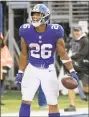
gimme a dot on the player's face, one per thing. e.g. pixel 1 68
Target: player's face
pixel 36 19
pixel 36 16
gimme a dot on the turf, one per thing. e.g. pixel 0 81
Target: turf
pixel 12 100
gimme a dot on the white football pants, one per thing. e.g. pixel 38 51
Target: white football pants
pixel 33 77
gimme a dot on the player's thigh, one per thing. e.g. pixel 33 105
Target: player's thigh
pixel 30 84
pixel 50 87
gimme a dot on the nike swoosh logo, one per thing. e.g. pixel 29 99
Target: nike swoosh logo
pixel 50 70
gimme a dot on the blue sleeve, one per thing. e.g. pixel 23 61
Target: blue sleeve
pixel 21 31
pixel 59 32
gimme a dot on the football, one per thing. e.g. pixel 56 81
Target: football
pixel 69 82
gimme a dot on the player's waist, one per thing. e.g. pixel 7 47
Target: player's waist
pixel 41 65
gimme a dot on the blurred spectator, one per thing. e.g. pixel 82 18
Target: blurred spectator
pixel 80 57
pixel 5 65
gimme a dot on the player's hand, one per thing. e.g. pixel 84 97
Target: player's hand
pixel 18 78
pixel 74 75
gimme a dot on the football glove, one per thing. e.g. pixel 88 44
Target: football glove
pixel 18 78
pixel 74 75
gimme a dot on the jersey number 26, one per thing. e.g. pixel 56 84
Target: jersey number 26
pixel 41 51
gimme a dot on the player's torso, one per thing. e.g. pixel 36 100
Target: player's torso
pixel 41 44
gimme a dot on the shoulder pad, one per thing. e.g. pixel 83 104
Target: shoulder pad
pixel 54 26
pixel 58 29
pixel 23 28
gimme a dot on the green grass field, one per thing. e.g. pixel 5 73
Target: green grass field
pixel 12 100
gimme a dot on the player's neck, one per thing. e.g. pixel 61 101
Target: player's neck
pixel 41 28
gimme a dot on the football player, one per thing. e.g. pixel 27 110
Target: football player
pixel 43 40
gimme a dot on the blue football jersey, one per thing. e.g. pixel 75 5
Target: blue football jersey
pixel 41 45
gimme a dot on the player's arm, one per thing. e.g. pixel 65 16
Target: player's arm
pixel 66 60
pixel 22 62
pixel 23 55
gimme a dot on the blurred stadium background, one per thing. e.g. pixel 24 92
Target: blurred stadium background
pixel 14 14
